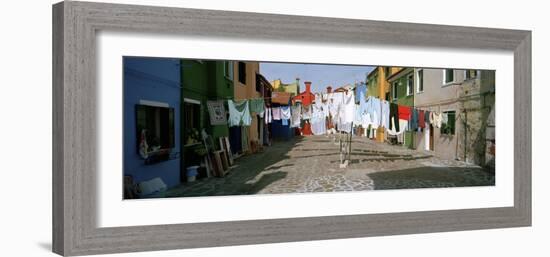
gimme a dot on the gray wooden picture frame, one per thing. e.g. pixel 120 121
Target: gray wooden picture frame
pixel 75 25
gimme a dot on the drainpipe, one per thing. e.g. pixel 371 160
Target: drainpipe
pixel 465 135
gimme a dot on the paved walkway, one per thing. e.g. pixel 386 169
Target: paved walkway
pixel 311 164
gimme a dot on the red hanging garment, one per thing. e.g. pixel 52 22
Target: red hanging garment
pixel 421 120
pixel 404 112
pixel 306 129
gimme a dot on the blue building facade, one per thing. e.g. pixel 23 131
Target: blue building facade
pixel 151 81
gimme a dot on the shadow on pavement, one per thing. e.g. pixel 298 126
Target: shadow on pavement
pixel 242 178
pixel 432 177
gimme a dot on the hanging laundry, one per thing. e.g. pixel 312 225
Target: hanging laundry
pixel 358 120
pixel 427 118
pixel 257 106
pixel 276 112
pixel 373 111
pixel 394 117
pixel 439 120
pixel 444 118
pixel 335 103
pixel 346 112
pixel 385 114
pixel 318 125
pixel 329 113
pixel 414 119
pixel 349 107
pixel 404 112
pixel 306 128
pixel 296 113
pixel 306 112
pixel 360 91
pixel 363 105
pixel 285 114
pixel 366 120
pixel 268 115
pixel 326 111
pixel 421 119
pixel 363 118
pixel 318 100
pixel 217 113
pixel 284 122
pixel 239 113
pixel 435 119
pixel 394 131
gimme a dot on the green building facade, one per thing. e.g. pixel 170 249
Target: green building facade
pixel 402 93
pixel 202 81
pixel 402 87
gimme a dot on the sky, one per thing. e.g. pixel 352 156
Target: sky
pixel 320 75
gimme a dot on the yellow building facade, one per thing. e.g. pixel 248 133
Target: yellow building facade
pixel 377 81
pixel 292 88
pixel 379 86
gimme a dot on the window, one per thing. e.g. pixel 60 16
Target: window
pixel 449 127
pixel 156 124
pixel 191 122
pixel 448 76
pixel 420 81
pixel 410 84
pixel 228 69
pixel 470 74
pixel 242 72
pixel 394 90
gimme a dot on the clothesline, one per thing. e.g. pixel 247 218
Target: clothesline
pixel 232 98
pixel 267 97
pixel 342 113
pixel 244 99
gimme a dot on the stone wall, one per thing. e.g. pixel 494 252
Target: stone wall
pixel 476 143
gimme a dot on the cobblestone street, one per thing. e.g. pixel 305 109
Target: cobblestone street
pixel 311 164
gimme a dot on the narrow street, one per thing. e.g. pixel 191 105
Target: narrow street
pixel 311 164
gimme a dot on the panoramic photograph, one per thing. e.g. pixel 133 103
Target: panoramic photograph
pixel 227 127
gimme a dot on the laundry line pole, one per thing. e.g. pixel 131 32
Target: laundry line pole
pixel 381 132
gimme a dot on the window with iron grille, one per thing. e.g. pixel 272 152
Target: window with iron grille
pixel 449 127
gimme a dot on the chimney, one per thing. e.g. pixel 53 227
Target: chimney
pixel 298 85
pixel 329 89
pixel 308 86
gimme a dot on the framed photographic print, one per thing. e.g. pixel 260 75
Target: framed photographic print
pixel 183 128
